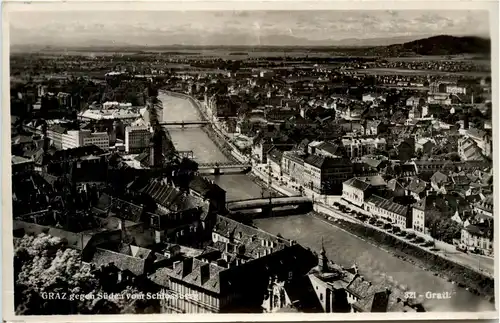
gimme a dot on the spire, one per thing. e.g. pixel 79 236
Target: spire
pixel 323 258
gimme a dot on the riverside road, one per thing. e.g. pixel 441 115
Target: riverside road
pixel 342 247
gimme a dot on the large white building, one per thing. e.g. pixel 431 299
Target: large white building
pixel 364 146
pixel 136 139
pixel 113 114
pixel 80 138
pixel 116 105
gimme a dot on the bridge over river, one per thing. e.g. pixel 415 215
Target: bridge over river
pixel 341 246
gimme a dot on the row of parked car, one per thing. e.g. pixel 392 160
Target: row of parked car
pixel 375 221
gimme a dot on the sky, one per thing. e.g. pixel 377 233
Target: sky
pixel 237 27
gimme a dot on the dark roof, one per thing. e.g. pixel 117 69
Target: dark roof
pixel 387 205
pixel 477 230
pixel 393 184
pixel 323 162
pixel 189 271
pixel 356 183
pixel 203 186
pixel 333 149
pixel 439 178
pixel 300 290
pixel 170 196
pixel 123 262
pixel 417 186
pixel 248 236
pixel 275 155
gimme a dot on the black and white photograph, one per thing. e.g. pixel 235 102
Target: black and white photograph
pixel 249 160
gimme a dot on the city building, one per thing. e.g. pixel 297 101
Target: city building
pixel 355 191
pixel 116 105
pixel 325 175
pixel 423 210
pixel 137 139
pixel 478 236
pixel 468 149
pixel 398 214
pixel 21 165
pixel 425 145
pixel 364 146
pixel 455 89
pixel 415 101
pixel 80 138
pixel 110 114
pixel 292 164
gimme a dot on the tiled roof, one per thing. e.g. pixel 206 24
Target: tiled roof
pixel 439 178
pixel 356 183
pixel 127 210
pixel 476 230
pixel 329 148
pixel 486 204
pixel 190 271
pixel 417 186
pixel 323 162
pixel 161 276
pixel 387 205
pixel 360 287
pixel 123 262
pixel 433 203
pixel 293 157
pixel 249 237
pixel 203 186
pixel 171 197
pixel 15 160
pixel 393 184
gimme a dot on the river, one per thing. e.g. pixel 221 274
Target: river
pixel 342 247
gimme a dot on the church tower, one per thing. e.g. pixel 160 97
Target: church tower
pixel 323 259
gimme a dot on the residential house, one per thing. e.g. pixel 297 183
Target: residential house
pixel 427 208
pixel 478 236
pixel 406 149
pixel 440 182
pixel 482 139
pixel 398 214
pixel 468 149
pixel 374 127
pixel 396 187
pixel 356 191
pixel 415 101
pixel 417 188
pixel 364 146
pixel 425 145
pixel 485 206
pixel 329 149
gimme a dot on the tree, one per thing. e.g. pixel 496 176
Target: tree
pixel 45 266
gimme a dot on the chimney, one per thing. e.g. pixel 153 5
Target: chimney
pixel 187 266
pixel 204 273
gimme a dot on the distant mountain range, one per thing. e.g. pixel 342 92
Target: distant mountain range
pixel 390 46
pixel 438 45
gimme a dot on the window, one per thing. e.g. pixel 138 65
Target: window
pixel 321 296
